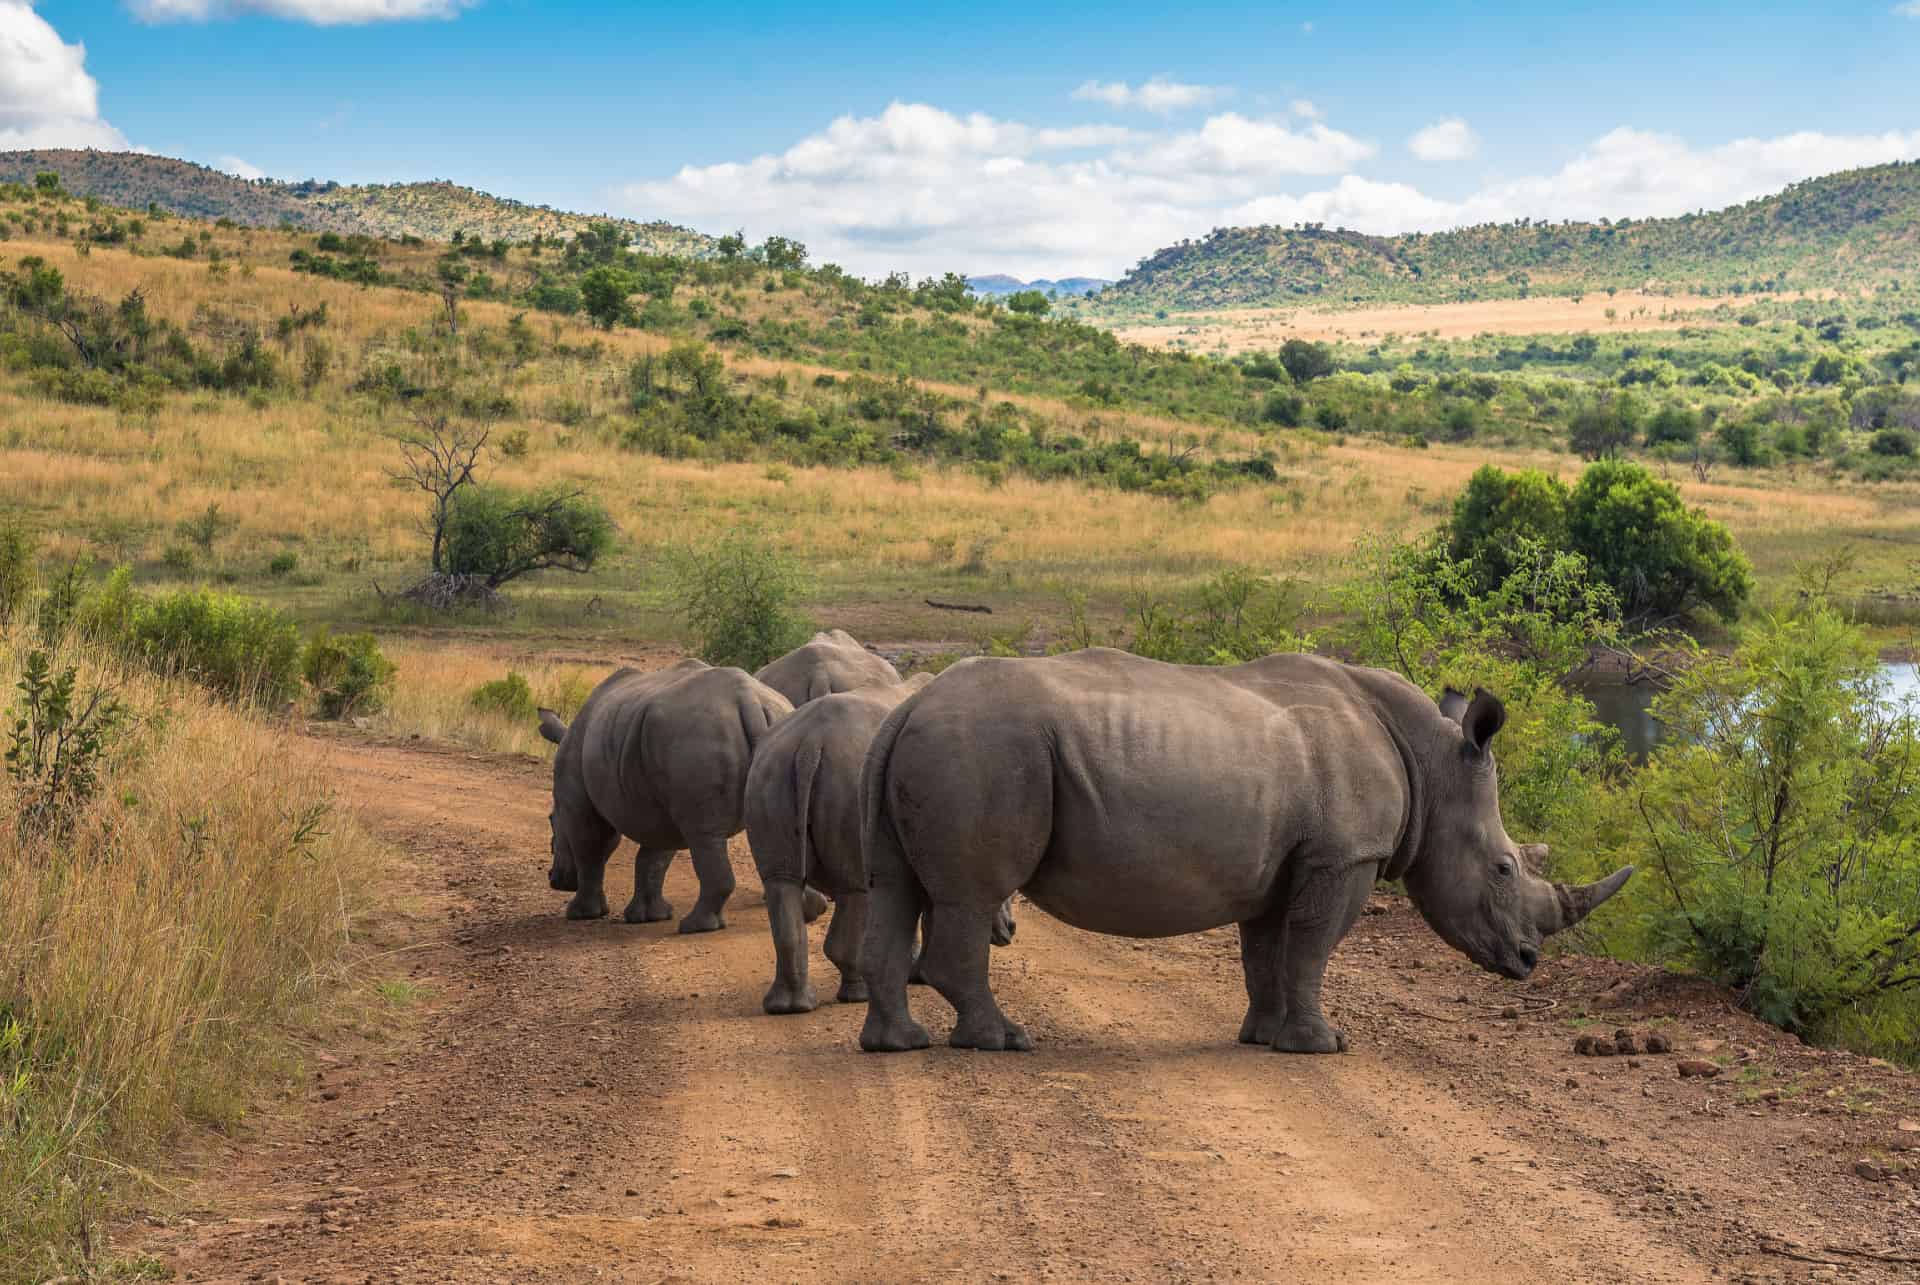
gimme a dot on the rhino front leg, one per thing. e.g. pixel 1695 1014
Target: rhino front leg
pixel 1260 956
pixel 649 906
pixel 786 916
pixel 1324 906
pixel 711 863
pixel 589 900
pixel 844 937
pixel 956 964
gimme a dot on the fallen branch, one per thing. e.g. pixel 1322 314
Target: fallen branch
pixel 957 606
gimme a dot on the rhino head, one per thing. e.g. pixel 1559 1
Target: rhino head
pixel 1477 888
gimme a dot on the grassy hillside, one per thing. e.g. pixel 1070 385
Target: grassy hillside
pixel 1845 230
pixel 434 211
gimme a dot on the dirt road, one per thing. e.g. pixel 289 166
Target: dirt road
pixel 601 1101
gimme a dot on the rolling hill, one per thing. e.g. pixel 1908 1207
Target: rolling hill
pixel 999 285
pixel 433 210
pixel 1855 228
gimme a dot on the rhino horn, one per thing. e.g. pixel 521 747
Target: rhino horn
pixel 551 727
pixel 1574 902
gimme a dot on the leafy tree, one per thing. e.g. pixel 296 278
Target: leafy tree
pixel 1496 517
pixel 783 254
pixel 603 293
pixel 1673 423
pixel 1602 428
pixel 496 534
pixel 731 246
pixel 1663 559
pixel 1305 361
pixel 47 182
pixel 1029 303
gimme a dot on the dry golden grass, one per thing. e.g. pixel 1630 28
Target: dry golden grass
pixel 310 475
pixel 155 959
pixel 434 685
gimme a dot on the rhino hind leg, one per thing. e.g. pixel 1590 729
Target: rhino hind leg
pixel 786 917
pixel 1260 956
pixel 844 936
pixel 956 961
pixel 894 902
pixel 649 906
pixel 715 869
pixel 1323 907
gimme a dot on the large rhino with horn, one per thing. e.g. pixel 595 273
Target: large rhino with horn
pixel 804 823
pixel 1142 799
pixel 830 662
pixel 661 758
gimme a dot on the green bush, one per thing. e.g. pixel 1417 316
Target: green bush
pixel 736 597
pixel 1894 441
pixel 1662 559
pixel 242 649
pixel 283 563
pixel 509 697
pixel 58 743
pixel 1781 818
pixel 1235 617
pixel 348 674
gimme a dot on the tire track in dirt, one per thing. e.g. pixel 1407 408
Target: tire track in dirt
pixel 582 1101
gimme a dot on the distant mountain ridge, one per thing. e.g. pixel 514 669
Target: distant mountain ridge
pixel 998 285
pixel 434 210
pixel 1854 228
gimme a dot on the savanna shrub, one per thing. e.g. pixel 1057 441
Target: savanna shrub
pixel 348 674
pixel 58 743
pixel 242 649
pixel 509 697
pixel 497 534
pixel 1780 815
pixel 1235 617
pixel 736 597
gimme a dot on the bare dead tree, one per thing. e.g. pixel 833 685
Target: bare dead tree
pixel 439 453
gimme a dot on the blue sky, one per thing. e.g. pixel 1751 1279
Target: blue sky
pixel 989 136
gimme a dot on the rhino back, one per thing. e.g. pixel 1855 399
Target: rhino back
pixel 811 763
pixel 696 743
pixel 828 663
pixel 1133 797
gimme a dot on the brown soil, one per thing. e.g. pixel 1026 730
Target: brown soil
pixel 599 1101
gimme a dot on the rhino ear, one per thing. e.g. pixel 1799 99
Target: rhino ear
pixel 1453 704
pixel 1483 720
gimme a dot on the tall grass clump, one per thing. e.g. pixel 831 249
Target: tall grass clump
pixel 191 908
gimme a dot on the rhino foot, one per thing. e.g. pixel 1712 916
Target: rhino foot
pixel 639 911
pixel 898 1035
pixel 702 921
pixel 587 907
pixel 1311 1035
pixel 992 1033
pixel 790 999
pixel 852 991
pixel 1261 1028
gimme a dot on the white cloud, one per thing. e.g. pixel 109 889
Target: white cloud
pixel 1910 9
pixel 1304 107
pixel 47 98
pixel 322 13
pixel 1234 144
pixel 239 168
pixel 1445 140
pixel 1159 94
pixel 924 190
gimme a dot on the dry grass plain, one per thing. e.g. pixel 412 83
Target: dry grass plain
pixel 1238 330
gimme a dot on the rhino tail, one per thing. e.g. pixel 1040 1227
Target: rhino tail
pixel 551 727
pixel 806 767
